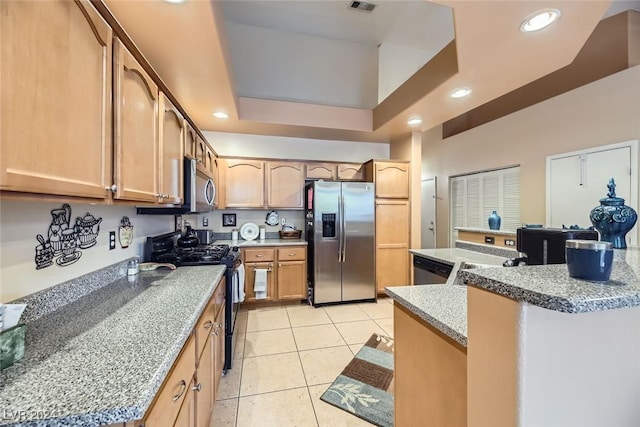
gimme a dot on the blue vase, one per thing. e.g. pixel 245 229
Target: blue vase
pixel 494 221
pixel 613 219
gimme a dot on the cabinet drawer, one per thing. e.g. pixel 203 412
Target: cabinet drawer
pixel 174 390
pixel 258 255
pixel 292 253
pixel 205 326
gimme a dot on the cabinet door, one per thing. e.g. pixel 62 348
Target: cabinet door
pixel 136 136
pixel 174 390
pixel 250 277
pixel 190 141
pixel 244 183
pixel 187 415
pixel 201 151
pixel 55 102
pixel 292 280
pixel 392 180
pixel 352 171
pixel 204 388
pixel 321 171
pixel 218 364
pixel 285 184
pixel 392 243
pixel 171 145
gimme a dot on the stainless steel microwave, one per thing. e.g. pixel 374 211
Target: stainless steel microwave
pixel 199 193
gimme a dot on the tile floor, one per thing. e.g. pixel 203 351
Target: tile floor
pixel 287 356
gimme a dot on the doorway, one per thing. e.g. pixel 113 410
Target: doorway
pixel 428 213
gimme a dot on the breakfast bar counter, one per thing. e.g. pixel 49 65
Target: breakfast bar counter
pixel 102 358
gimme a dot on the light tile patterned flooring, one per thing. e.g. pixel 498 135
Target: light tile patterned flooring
pixel 287 356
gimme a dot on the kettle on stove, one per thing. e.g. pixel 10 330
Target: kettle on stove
pixel 188 238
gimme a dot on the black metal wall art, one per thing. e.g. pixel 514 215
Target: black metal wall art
pixel 65 240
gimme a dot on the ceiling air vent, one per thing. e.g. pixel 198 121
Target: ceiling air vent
pixel 362 5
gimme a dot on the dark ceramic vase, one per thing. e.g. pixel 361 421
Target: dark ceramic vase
pixel 613 219
pixel 494 221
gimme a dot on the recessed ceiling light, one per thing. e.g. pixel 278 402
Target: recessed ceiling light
pixel 414 121
pixel 220 115
pixel 175 1
pixel 539 20
pixel 460 92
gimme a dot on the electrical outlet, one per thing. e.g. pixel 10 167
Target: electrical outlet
pixel 112 240
pixel 178 219
pixel 509 242
pixel 205 221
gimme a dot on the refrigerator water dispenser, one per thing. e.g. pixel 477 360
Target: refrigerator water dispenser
pixel 329 225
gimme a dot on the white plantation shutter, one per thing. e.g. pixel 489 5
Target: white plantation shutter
pixel 511 200
pixel 473 202
pixel 457 204
pixel 475 196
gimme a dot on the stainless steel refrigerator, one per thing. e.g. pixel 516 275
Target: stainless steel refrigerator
pixel 340 230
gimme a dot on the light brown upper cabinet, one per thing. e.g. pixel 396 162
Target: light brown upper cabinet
pixel 391 178
pixel 190 141
pixel 243 182
pixel 136 133
pixel 350 171
pixel 321 171
pixel 172 135
pixel 285 184
pixel 55 104
pixel 201 151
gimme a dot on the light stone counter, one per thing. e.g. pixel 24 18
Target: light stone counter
pixel 442 306
pixel 550 287
pixel 102 358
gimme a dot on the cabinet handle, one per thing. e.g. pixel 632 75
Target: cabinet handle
pixel 292 254
pixel 259 256
pixel 113 188
pixel 279 265
pixel 183 386
pixel 216 332
pixel 208 324
pixel 197 387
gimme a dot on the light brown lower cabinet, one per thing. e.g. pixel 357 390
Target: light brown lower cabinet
pixel 392 243
pixel 430 374
pixel 286 272
pixel 188 393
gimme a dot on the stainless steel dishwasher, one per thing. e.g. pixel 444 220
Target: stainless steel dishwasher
pixel 429 272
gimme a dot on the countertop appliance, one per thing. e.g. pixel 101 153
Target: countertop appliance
pixel 429 272
pixel 340 231
pixel 163 248
pixel 540 246
pixel 198 196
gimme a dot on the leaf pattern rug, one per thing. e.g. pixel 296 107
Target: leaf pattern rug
pixel 365 386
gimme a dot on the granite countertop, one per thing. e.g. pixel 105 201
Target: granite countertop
pixel 442 306
pixel 486 230
pixel 102 359
pixel 453 255
pixel 267 242
pixel 550 287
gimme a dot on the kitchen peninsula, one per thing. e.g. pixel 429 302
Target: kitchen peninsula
pixel 524 346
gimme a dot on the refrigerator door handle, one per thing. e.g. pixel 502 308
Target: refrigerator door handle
pixel 340 228
pixel 343 230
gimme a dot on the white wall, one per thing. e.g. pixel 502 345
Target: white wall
pixel 21 222
pixel 279 147
pixel 580 370
pixel 606 111
pixel 307 68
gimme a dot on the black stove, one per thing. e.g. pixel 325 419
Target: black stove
pixel 164 248
pixel 201 255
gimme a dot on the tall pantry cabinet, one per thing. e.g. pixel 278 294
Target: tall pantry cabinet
pixel 391 178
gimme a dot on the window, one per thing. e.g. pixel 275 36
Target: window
pixel 475 196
